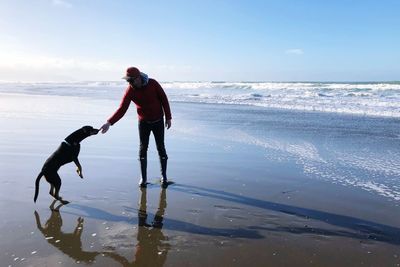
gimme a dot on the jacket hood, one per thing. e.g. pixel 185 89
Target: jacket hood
pixel 145 78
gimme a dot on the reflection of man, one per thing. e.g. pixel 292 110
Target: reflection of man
pixel 151 250
pixel 150 247
pixel 68 243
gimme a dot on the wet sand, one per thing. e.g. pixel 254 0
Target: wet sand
pixel 231 205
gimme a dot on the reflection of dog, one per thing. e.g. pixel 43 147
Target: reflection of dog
pixel 68 243
pixel 67 152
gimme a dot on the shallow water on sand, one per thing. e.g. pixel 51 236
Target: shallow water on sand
pixel 242 195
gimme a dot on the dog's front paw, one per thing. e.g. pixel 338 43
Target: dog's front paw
pixel 79 172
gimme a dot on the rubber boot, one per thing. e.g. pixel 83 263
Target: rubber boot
pixel 163 163
pixel 143 170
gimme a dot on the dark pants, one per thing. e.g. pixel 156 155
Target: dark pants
pixel 145 128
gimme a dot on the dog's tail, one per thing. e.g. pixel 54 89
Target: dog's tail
pixel 37 186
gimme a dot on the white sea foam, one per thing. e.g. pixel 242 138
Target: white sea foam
pixel 298 150
pixel 374 99
pixel 364 170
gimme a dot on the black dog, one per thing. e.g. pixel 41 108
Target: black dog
pixel 67 152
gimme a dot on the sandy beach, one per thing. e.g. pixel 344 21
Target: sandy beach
pixel 252 186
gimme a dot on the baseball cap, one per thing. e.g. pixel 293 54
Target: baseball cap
pixel 131 72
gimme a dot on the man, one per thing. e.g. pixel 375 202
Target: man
pixel 151 103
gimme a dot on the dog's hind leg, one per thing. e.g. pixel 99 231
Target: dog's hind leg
pixel 51 192
pixel 51 178
pixel 57 186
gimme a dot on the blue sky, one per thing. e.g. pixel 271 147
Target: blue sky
pixel 297 40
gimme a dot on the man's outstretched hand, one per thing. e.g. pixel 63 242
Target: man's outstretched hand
pixel 105 127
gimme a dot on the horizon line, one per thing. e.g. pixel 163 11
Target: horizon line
pixel 210 81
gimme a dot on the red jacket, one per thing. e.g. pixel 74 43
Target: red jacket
pixel 151 103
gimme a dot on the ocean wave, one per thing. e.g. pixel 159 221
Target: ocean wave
pixel 283 85
pixel 369 99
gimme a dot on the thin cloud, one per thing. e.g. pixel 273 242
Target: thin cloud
pixel 16 61
pixel 174 67
pixel 295 51
pixel 62 3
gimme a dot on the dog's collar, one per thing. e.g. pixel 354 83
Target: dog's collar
pixel 67 143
